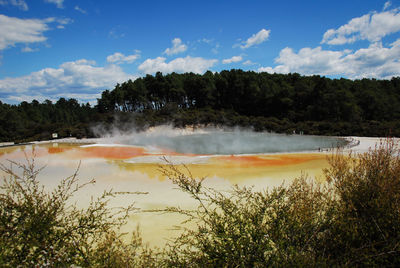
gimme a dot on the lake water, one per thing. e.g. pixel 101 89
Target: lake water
pixel 132 162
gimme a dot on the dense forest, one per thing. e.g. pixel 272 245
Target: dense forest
pixel 37 121
pixel 265 102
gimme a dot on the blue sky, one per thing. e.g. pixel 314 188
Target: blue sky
pixel 77 49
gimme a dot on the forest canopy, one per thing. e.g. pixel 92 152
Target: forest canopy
pixel 265 102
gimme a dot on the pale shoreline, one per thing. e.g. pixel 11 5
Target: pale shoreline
pixel 367 143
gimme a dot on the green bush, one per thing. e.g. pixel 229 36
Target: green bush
pixel 352 219
pixel 45 229
pixel 246 228
pixel 365 226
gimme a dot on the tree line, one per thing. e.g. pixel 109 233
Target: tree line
pixel 37 121
pixel 263 101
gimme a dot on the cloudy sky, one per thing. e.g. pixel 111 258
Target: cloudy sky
pixel 76 49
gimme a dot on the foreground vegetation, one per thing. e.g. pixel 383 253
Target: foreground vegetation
pixel 262 101
pixel 351 219
pixel 40 228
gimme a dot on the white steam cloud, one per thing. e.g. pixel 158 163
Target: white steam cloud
pixel 212 141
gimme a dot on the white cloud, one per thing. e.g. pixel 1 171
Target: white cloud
pixel 119 58
pixel 61 22
pixel 28 49
pixel 249 62
pixel 387 5
pixel 372 27
pixel 211 42
pixel 14 30
pixel 256 39
pixel 77 8
pixel 310 61
pixel 116 33
pixel 80 79
pixel 375 61
pixel 25 31
pixel 21 4
pixel 177 47
pixel 205 40
pixel 58 3
pixel 215 49
pixel 180 65
pixel 233 59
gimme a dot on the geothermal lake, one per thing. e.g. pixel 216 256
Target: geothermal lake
pixel 131 163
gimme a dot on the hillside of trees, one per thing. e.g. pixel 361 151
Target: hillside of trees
pixel 265 102
pixel 37 121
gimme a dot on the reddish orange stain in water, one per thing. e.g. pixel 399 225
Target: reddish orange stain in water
pixel 55 150
pixel 271 160
pixel 113 152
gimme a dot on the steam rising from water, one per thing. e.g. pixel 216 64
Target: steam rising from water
pixel 211 141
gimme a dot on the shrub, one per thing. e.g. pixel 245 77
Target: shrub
pixel 366 220
pixel 246 228
pixel 44 229
pixel 352 219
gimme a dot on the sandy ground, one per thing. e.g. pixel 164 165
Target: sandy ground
pixel 364 144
